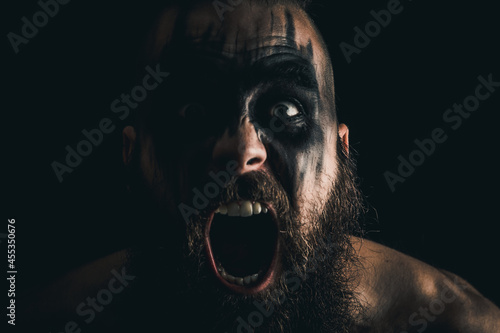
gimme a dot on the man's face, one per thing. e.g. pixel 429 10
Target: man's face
pixel 241 146
pixel 253 92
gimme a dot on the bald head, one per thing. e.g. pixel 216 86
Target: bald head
pixel 246 33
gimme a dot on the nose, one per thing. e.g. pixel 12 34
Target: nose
pixel 244 147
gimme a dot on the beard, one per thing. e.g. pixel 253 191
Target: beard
pixel 312 290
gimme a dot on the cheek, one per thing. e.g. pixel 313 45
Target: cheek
pixel 316 175
pixel 172 170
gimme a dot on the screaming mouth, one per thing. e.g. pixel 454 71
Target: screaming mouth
pixel 241 239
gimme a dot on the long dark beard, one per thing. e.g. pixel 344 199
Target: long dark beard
pixel 313 292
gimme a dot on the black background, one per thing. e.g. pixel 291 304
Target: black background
pixel 395 91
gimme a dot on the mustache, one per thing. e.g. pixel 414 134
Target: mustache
pixel 256 186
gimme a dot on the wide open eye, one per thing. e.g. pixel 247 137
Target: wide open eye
pixel 193 111
pixel 286 110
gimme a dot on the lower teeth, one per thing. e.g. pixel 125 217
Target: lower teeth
pixel 241 281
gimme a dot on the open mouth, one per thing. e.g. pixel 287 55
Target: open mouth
pixel 241 241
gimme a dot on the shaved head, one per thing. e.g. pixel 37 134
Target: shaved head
pixel 250 31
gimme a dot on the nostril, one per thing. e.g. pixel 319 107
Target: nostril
pixel 253 161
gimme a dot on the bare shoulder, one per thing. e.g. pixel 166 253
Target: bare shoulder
pixel 63 296
pixel 402 294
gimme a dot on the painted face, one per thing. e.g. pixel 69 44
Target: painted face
pixel 255 89
pixel 240 141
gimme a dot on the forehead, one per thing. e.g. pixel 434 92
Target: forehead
pixel 248 31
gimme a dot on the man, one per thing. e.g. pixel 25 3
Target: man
pixel 250 198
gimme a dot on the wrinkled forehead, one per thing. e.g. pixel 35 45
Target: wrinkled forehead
pixel 244 33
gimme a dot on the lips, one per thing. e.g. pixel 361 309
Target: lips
pixel 242 245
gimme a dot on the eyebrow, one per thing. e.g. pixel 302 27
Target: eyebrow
pixel 287 68
pixel 280 67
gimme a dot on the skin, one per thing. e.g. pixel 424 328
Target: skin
pixel 390 286
pixel 302 164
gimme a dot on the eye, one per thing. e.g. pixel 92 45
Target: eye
pixel 286 110
pixel 192 111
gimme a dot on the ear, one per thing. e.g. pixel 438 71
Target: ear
pixel 128 144
pixel 344 136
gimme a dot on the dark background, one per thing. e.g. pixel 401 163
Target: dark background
pixel 395 91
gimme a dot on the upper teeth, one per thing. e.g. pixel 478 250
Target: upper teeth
pixel 243 209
